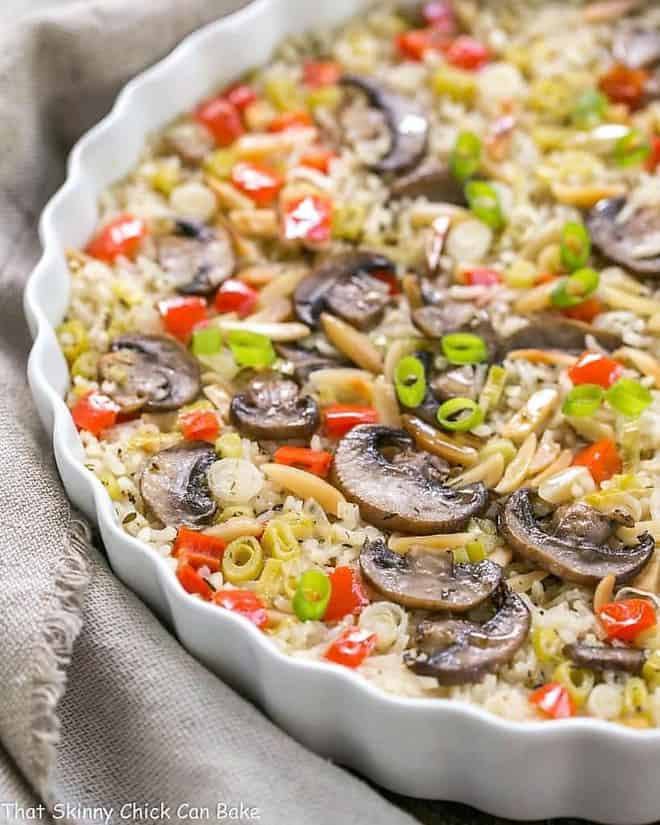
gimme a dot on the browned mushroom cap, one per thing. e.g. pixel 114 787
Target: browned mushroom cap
pixel 406 121
pixel 458 652
pixel 271 408
pixel 636 47
pixel 547 331
pixel 344 286
pixel 196 257
pixel 407 494
pixel 428 581
pixel 149 372
pixel 577 543
pixel 306 361
pixel 174 485
pixel 600 657
pixel 431 180
pixel 633 242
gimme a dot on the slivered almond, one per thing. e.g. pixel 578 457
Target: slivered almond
pixel 305 485
pixel 439 541
pixel 353 344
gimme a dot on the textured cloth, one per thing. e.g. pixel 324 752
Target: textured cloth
pixel 99 704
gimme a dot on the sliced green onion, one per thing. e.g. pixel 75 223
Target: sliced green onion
pixel 575 245
pixel 312 595
pixel 206 341
pixel 464 348
pixel 410 381
pixel 484 202
pixel 476 551
pixel 629 397
pixel 465 158
pixel 583 400
pixel 575 289
pixel 250 349
pixel 590 109
pixel 491 394
pixel 631 149
pixel 460 414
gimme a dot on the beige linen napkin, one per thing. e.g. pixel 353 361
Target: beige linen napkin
pixel 99 705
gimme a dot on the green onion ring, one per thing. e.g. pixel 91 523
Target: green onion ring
pixel 312 595
pixel 484 202
pixel 464 348
pixel 575 289
pixel 410 381
pixel 629 397
pixel 448 411
pixel 251 349
pixel 631 149
pixel 583 401
pixel 575 245
pixel 590 109
pixel 465 158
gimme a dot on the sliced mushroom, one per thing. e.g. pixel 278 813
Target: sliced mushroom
pixel 433 181
pixel 577 543
pixel 197 257
pixel 428 581
pixel 458 652
pixel 174 485
pixel 462 381
pixel 306 361
pixel 408 493
pixel 546 331
pixel 271 408
pixel 150 373
pixel 600 657
pixel 406 121
pixel 633 242
pixel 438 320
pixel 636 47
pixel 344 286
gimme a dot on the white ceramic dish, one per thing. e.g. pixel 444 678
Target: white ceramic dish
pixel 428 748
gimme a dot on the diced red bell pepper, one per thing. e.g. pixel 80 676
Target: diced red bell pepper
pixel 594 368
pixel 467 53
pixel 199 425
pixel 414 44
pixel 236 296
pixel 482 276
pixel 307 218
pixel 258 181
pixel 554 701
pixel 291 120
pixel 440 15
pixel 122 236
pixel 586 311
pixel 346 596
pixel 351 648
pixel 626 619
pixel 182 314
pixel 653 160
pixel 192 582
pixel 340 418
pixel 241 95
pixel 389 278
pixel 601 459
pixel 318 73
pixel 624 85
pixel 246 603
pixel 198 549
pixel 222 119
pixel 94 412
pixel 319 159
pixel 314 461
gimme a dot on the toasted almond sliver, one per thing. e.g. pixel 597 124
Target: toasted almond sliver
pixel 501 556
pixel 534 299
pixel 489 471
pixel 532 416
pixel 256 223
pixel 305 485
pixel 515 473
pixel 543 356
pixel 292 331
pixel 620 299
pixel 604 591
pixel 439 541
pixel 563 461
pixel 584 197
pixel 276 311
pixel 523 581
pixel 283 285
pixel 641 360
pixel 385 403
pixel 344 382
pixel 228 195
pixel 260 275
pixel 353 344
pixel 649 578
pixel 234 528
pixel 547 235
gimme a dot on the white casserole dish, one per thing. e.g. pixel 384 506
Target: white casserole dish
pixel 429 748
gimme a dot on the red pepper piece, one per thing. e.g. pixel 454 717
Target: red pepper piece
pixel 314 461
pixel 340 418
pixel 246 603
pixel 594 368
pixel 601 459
pixel 94 412
pixel 626 619
pixel 554 701
pixel 181 315
pixel 351 648
pixel 222 119
pixel 122 236
pixel 199 425
pixel 347 595
pixel 192 582
pixel 258 181
pixel 236 296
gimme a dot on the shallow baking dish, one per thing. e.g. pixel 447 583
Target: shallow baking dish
pixel 431 748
